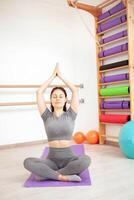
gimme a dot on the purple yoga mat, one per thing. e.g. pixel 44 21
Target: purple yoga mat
pixel 117 8
pixel 126 104
pixel 78 150
pixel 113 37
pixel 115 105
pixel 111 23
pixel 112 11
pixel 104 15
pixel 112 78
pixel 113 50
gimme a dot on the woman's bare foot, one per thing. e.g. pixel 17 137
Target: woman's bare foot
pixel 75 178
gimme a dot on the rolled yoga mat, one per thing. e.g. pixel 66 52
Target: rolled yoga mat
pixel 111 23
pixel 78 150
pixel 115 104
pixel 113 50
pixel 112 11
pixel 126 104
pixel 121 119
pixel 114 65
pixel 113 78
pixel 113 37
pixel 122 90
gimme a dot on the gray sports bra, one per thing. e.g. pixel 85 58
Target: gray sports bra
pixel 59 128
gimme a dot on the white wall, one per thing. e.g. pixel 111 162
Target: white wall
pixel 34 35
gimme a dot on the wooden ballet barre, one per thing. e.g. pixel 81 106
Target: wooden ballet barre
pixel 37 86
pixel 31 103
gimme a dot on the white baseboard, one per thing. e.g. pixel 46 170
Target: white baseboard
pixel 8 146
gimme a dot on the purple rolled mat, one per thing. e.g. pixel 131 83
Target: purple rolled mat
pixel 108 25
pixel 112 78
pixel 113 50
pixel 126 104
pixel 114 37
pixel 115 104
pixel 111 23
pixel 124 47
pixel 127 76
pixel 123 18
pixel 104 15
pixel 111 104
pixel 117 8
pixel 112 11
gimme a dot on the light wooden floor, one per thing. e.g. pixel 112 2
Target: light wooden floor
pixel 112 176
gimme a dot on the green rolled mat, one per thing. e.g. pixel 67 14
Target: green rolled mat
pixel 122 90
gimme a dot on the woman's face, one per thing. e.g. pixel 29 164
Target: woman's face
pixel 58 99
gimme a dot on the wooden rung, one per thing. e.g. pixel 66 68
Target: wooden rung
pixel 110 137
pixel 113 55
pixel 117 96
pixel 106 3
pixel 116 82
pixel 112 16
pixel 114 41
pixel 115 110
pixel 37 86
pixel 112 69
pixel 113 124
pixel 30 103
pixel 110 29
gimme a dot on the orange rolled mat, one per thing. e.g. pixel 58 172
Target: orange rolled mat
pixel 121 119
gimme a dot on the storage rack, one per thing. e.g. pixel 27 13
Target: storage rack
pixel 129 23
pixel 127 12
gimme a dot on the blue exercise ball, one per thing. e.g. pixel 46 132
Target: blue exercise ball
pixel 126 139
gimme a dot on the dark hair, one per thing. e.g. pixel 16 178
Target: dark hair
pixel 65 93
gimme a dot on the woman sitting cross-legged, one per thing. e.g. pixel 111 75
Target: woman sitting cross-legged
pixel 61 163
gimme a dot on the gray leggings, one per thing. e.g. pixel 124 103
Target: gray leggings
pixel 59 161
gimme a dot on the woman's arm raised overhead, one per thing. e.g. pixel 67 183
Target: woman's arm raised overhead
pixel 39 94
pixel 73 88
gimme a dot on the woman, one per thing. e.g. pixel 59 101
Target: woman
pixel 61 163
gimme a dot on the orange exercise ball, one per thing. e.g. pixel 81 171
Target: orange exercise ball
pixel 79 137
pixel 92 137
